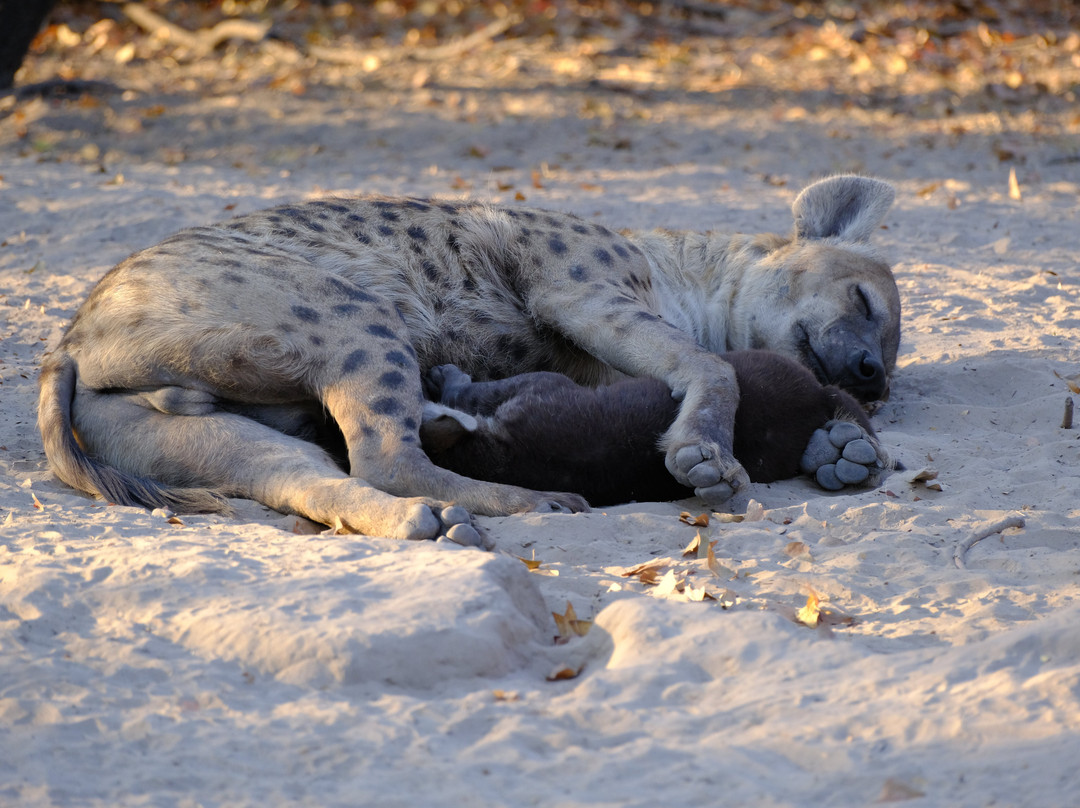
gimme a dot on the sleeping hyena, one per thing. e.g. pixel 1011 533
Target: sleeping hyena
pixel 541 430
pixel 190 372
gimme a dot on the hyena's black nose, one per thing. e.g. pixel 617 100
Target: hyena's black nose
pixel 867 378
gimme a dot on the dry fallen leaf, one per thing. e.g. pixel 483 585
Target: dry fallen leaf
pixel 569 626
pixel 1072 382
pixel 564 672
pixel 531 563
pixel 1014 186
pixel 698 594
pixel 715 567
pixel 653 564
pixel 810 614
pixel 669 584
pixel 693 547
pixel 701 520
pixel 506 695
pixel 926 476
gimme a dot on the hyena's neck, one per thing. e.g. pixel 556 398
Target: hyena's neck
pixel 697 278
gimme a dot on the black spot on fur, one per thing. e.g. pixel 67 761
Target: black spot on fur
pixel 389 215
pixel 363 238
pixel 579 272
pixel 453 244
pixel 431 271
pixel 392 379
pixel 579 228
pixel 355 218
pixel 308 315
pixel 341 288
pixel 417 204
pixel 354 361
pixel 386 406
pixel 315 340
pixel 380 331
pixel 620 251
pixel 603 256
pixel 399 358
pixel 386 230
pixel 553 222
pixel 345 309
pixel 557 245
pixel 416 233
pixel 409 423
pixel 233 277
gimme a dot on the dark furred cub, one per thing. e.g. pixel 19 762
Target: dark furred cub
pixel 541 430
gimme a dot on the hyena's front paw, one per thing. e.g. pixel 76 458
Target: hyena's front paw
pixel 843 454
pixel 456 525
pixel 443 382
pixel 714 476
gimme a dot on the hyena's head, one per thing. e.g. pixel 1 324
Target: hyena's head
pixel 824 296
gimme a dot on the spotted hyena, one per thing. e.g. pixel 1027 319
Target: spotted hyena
pixel 194 368
pixel 541 430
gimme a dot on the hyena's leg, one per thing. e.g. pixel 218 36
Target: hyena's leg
pixel 376 399
pixel 241 458
pixel 449 385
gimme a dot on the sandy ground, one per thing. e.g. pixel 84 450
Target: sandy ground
pixel 213 661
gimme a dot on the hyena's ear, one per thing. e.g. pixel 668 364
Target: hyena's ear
pixel 847 207
pixel 442 427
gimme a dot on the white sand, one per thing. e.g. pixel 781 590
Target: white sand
pixel 237 662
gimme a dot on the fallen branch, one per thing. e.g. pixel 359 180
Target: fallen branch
pixel 348 56
pixel 202 41
pixel 982 533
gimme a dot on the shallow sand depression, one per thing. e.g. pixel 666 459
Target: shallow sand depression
pixel 205 660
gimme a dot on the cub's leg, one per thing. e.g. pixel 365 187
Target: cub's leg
pixel 238 457
pixel 449 385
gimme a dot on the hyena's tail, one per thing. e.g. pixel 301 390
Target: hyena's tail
pixel 76 468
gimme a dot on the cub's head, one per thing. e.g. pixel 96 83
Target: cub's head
pixel 824 296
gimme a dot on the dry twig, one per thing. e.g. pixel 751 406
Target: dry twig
pixel 202 41
pixel 982 533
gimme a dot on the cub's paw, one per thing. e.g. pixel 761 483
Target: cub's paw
pixel 842 454
pixel 443 382
pixel 715 477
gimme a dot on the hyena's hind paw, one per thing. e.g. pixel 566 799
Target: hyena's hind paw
pixel 842 454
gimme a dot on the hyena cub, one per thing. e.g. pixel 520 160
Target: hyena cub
pixel 541 430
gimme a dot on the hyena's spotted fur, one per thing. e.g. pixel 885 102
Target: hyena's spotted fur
pixel 196 368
